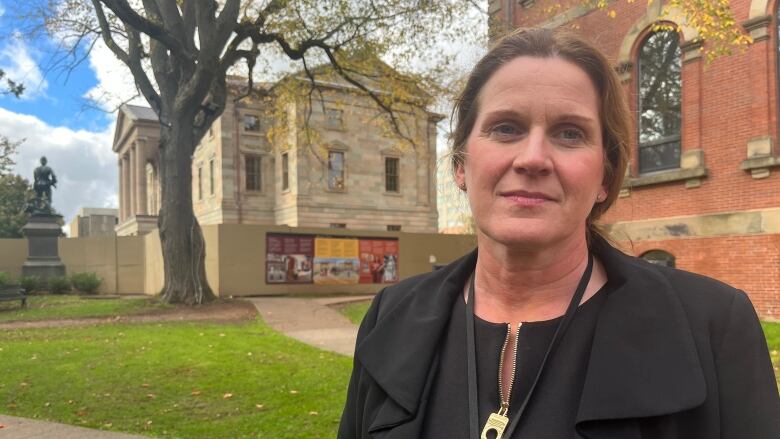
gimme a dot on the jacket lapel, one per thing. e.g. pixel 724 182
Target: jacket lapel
pixel 399 353
pixel 643 361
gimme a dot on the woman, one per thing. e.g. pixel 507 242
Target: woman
pixel 546 331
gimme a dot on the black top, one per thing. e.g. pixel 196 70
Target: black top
pixel 553 407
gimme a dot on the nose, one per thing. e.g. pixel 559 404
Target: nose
pixel 533 155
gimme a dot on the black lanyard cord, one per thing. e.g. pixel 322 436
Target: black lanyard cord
pixel 471 353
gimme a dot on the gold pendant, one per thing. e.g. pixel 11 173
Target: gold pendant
pixel 497 423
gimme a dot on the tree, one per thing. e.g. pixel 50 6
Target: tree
pixel 14 192
pixel 7 149
pixel 179 53
pixel 11 87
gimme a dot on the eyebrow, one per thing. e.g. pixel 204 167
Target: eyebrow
pixel 565 117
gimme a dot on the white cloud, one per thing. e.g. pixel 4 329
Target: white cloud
pixel 18 60
pixel 82 160
pixel 115 82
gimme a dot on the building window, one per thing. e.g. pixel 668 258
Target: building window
pixel 391 173
pixel 253 174
pixel 393 228
pixel 251 123
pixel 336 171
pixel 285 171
pixel 334 118
pixel 338 226
pixel 211 177
pixel 660 87
pixel 659 257
pixel 200 182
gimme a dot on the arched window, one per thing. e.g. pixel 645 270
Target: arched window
pixel 659 257
pixel 660 85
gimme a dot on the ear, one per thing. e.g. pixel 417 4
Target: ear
pixel 603 192
pixel 460 176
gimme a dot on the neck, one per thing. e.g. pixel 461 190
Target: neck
pixel 514 286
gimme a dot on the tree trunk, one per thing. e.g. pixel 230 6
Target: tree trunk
pixel 183 246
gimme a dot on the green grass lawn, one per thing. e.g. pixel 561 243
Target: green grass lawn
pixel 71 307
pixel 772 331
pixel 184 380
pixel 354 310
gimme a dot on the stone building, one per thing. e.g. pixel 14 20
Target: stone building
pixel 703 188
pixel 93 221
pixel 346 170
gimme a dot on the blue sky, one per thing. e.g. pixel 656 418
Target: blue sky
pixel 55 118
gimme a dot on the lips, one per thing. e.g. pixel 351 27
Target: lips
pixel 526 198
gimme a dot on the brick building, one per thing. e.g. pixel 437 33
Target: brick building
pixel 346 171
pixel 703 188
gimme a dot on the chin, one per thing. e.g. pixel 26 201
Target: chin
pixel 527 234
pixel 519 235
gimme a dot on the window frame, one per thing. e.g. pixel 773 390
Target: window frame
pixel 665 140
pixel 388 176
pixel 244 117
pixel 334 123
pixel 258 159
pixel 664 258
pixel 343 171
pixel 200 182
pixel 285 164
pixel 212 185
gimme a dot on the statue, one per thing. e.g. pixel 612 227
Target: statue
pixel 44 181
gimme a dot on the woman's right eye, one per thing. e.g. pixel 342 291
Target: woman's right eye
pixel 504 130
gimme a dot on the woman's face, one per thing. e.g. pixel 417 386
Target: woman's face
pixel 534 163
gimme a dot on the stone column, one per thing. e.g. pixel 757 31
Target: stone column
pixel 132 181
pixel 125 195
pixel 140 178
pixel 120 188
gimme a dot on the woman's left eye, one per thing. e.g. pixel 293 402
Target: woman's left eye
pixel 571 134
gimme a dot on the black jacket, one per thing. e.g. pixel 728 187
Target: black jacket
pixel 674 355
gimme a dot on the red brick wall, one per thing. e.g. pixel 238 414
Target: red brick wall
pixel 725 103
pixel 750 263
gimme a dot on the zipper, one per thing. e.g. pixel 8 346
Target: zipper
pixel 505 402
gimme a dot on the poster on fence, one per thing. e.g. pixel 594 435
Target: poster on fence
pixel 378 261
pixel 289 258
pixel 336 261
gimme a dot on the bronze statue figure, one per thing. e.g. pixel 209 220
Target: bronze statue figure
pixel 44 181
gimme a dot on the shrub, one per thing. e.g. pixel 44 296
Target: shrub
pixel 5 279
pixel 30 283
pixel 87 283
pixel 58 285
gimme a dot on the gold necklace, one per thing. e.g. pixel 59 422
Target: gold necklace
pixel 498 421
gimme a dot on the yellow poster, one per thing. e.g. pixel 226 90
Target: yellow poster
pixel 336 261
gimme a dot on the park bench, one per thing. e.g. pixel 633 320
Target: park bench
pixel 12 292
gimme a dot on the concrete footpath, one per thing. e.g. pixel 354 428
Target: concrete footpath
pixel 311 321
pixel 23 428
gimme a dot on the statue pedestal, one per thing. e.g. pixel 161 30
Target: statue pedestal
pixel 43 260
